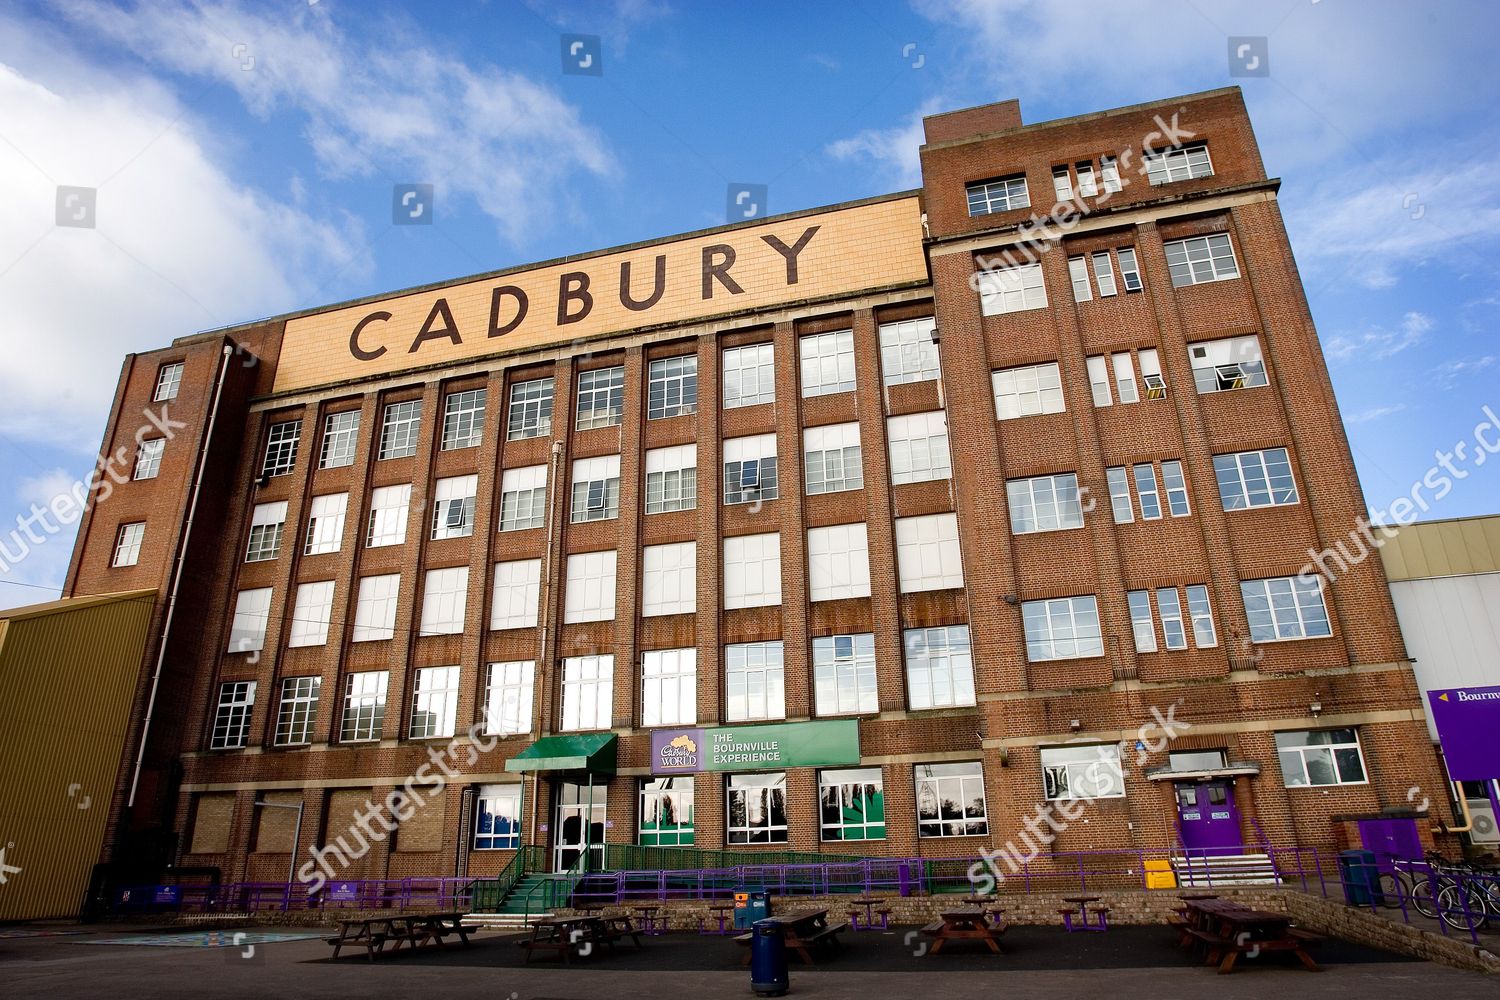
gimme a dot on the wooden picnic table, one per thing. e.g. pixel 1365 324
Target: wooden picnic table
pixel 396 929
pixel 722 911
pixel 803 931
pixel 963 925
pixel 1082 908
pixel 869 903
pixel 646 913
pixel 1228 929
pixel 566 934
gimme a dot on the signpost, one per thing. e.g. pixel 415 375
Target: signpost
pixel 772 747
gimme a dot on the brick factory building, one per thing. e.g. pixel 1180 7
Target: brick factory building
pixel 867 530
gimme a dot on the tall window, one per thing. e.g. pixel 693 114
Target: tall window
pixel 400 428
pixel 168 381
pixel 364 706
pixel 1125 378
pixel 1078 277
pixel 1180 163
pixel 523 498
pixel 1082 772
pixel 1145 491
pixel 311 614
pixel 517 594
pixel 596 488
pixel 281 448
pixel 756 808
pixel 844 674
pixel 497 817
pixel 508 694
pixel 1202 617
pixel 838 562
pixel 672 478
pixel 1174 626
pixel 1169 606
pixel 298 711
pixel 587 692
pixel 267 522
pixel 1130 271
pixel 148 458
pixel 1310 758
pixel 1200 259
pixel 1002 195
pixel 918 445
pixel 325 523
pixel 1062 183
pixel 749 375
pixel 1024 391
pixel 1287 607
pixel 232 717
pixel 950 800
pixel 927 553
pixel 453 507
pixel 463 419
pixel 1231 363
pixel 1255 479
pixel 1062 629
pixel 340 440
pixel 128 544
pixel 669 579
pixel 667 812
pixel 388 510
pixel 669 687
pixel 908 351
pixel 939 667
pixel 530 409
pixel 375 611
pixel 750 469
pixel 852 804
pixel 434 705
pixel 601 397
pixel 1109 174
pixel 1104 273
pixel 1086 186
pixel 1044 503
pixel 444 599
pixel 672 387
pixel 252 609
pixel 832 458
pixel 1156 385
pixel 1142 624
pixel 1012 289
pixel 590 593
pixel 752 570
pixel 826 363
pixel 1119 494
pixel 754 682
pixel 1176 486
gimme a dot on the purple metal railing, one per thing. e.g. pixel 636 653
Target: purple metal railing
pixel 358 894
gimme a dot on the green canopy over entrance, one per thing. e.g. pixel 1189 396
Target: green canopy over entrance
pixel 591 752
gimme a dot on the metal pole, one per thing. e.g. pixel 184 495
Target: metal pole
pixel 291 868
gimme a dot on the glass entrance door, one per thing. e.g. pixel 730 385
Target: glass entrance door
pixel 580 824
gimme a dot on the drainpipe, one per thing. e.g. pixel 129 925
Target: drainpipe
pixel 187 533
pixel 1463 807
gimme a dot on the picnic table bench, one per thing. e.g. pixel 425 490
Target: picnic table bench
pixel 411 929
pixel 563 934
pixel 1226 930
pixel 803 931
pixel 963 925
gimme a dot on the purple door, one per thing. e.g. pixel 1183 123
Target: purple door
pixel 1207 817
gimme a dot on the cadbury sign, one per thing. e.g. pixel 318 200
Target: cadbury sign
pixel 841 251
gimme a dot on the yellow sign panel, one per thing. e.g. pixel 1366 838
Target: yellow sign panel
pixel 836 252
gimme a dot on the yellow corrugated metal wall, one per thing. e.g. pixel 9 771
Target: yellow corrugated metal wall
pixel 1443 548
pixel 68 673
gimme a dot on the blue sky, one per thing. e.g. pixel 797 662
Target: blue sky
pixel 244 155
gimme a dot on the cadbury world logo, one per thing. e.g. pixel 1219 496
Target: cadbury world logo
pixel 680 752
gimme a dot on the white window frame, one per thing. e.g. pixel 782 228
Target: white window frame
pixel 1142 620
pixel 672 387
pixel 1082 772
pixel 751 470
pixel 312 613
pixel 1173 625
pixel 749 375
pixel 148 458
pixel 669 687
pixel 517 594
pixel 1078 277
pixel 1104 274
pixel 1062 183
pixel 606 385
pixel 1027 390
pixel 463 419
pixel 389 506
pixel 529 414
pixel 1087 188
pixel 509 690
pixel 128 539
pixel 1227 365
pixel 587 693
pixel 1013 289
pixel 453 500
pixel 845 790
pixel 236 704
pixel 1100 382
pixel 281 448
pixel 400 430
pixel 1178 163
pixel 1147 493
pixel 1248 480
pixel 325 523
pixel 1200 260
pixel 1151 376
pixel 340 439
pixel 252 612
pixel 434 703
pixel 375 608
pixel 1002 194
pixel 363 718
pixel 672 479
pixel 951 781
pixel 1174 485
pixel 591 581
pixel 752 570
pixel 768 789
pixel 1044 503
pixel 445 599
pixel 917 444
pixel 1109 175
pixel 297 711
pixel 1122 508
pixel 1287 751
pixel 928 554
pixel 1264 597
pixel 825 362
pixel 1125 386
pixel 1079 638
pixel 838 562
pixel 1201 616
pixel 523 498
pixel 670 796
pixel 669 579
pixel 495 805
pixel 909 352
pixel 1130 271
pixel 832 459
pixel 939 667
pixel 596 489
pixel 844 678
pixel 168 382
pixel 754 681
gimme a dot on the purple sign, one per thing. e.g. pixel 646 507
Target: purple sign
pixel 676 751
pixel 343 890
pixel 1467 720
pixel 167 894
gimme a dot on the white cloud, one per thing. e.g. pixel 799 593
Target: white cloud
pixel 890 153
pixel 1379 343
pixel 1374 413
pixel 1450 372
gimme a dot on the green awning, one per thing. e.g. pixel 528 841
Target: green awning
pixel 592 752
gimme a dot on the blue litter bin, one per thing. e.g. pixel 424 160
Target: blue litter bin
pixel 750 905
pixel 768 967
pixel 1361 877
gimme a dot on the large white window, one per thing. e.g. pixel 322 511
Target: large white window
pixel 168 381
pixel 851 803
pixel 1231 363
pixel 832 458
pixel 750 472
pixel 497 818
pixel 1078 276
pixel 463 419
pixel 669 579
pixel 1012 289
pixel 1179 163
pixel 252 609
pixel 508 693
pixel 927 553
pixel 1142 624
pixel 1062 629
pixel 298 712
pixel 1288 607
pixel 669 687
pixel 311 614
pixel 148 458
pixel 827 363
pixel 400 429
pixel 1176 486
pixel 752 570
pixel 918 444
pixel 754 682
pixel 596 488
pixel 939 667
pixel 325 523
pixel 340 439
pixel 591 587
pixel 375 611
pixel 601 397
pixel 1200 259
pixel 1130 271
pixel 523 498
pixel 530 413
pixel 281 448
pixel 453 506
pixel 749 375
pixel 950 800
pixel 232 716
pixel 364 706
pixel 128 544
pixel 672 387
pixel 1315 757
pixel 1255 479
pixel 587 692
pixel 667 812
pixel 908 352
pixel 1002 195
pixel 672 478
pixel 1044 503
pixel 844 674
pixel 434 702
pixel 1024 391
pixel 517 594
pixel 756 807
pixel 444 599
pixel 838 562
pixel 388 509
pixel 1082 772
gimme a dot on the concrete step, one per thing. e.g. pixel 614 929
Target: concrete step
pixel 1225 870
pixel 503 921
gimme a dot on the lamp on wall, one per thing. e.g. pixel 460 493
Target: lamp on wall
pixel 1075 725
pixel 1316 708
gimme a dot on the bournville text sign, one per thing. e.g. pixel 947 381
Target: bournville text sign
pixel 1467 721
pixel 755 748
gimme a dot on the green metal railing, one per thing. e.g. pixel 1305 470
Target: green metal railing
pixel 633 857
pixel 488 894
